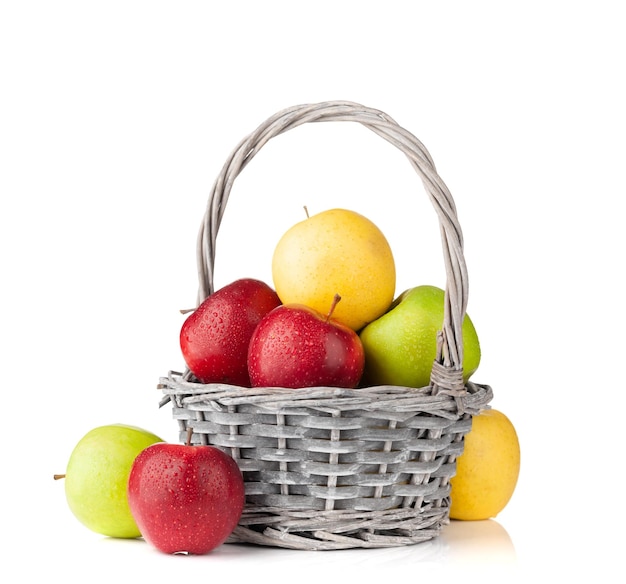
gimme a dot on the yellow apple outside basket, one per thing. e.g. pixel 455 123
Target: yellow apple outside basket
pixel 331 468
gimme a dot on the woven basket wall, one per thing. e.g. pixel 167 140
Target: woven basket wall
pixel 331 468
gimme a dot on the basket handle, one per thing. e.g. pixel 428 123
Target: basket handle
pixel 447 373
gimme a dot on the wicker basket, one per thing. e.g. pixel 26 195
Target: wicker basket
pixel 333 468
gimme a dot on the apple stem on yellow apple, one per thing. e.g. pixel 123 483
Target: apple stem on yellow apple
pixel 56 477
pixel 306 210
pixel 336 299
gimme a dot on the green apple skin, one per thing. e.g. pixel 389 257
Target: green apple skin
pixel 401 345
pixel 97 475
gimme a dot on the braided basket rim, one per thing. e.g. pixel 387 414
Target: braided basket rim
pixel 177 387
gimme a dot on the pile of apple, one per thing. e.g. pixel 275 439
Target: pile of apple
pixel 125 482
pixel 330 320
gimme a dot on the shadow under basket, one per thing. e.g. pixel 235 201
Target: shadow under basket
pixel 332 468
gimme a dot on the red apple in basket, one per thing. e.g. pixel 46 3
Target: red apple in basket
pixel 184 498
pixel 214 338
pixel 296 346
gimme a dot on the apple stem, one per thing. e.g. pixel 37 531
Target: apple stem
pixel 56 477
pixel 306 210
pixel 336 299
pixel 189 434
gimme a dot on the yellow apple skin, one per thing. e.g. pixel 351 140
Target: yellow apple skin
pixel 401 345
pixel 488 470
pixel 337 251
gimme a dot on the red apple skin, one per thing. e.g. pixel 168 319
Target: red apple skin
pixel 185 499
pixel 214 338
pixel 295 346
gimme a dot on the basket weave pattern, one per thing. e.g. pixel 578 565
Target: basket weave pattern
pixel 332 468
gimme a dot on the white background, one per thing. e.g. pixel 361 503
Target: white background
pixel 115 119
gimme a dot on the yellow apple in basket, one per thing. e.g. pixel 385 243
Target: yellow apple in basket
pixel 337 251
pixel 401 345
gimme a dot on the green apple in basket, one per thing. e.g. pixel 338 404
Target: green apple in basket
pixel 401 345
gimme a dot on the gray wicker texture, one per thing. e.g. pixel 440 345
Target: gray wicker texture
pixel 332 468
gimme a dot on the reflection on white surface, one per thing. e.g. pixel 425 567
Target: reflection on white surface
pixel 478 541
pixel 460 543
